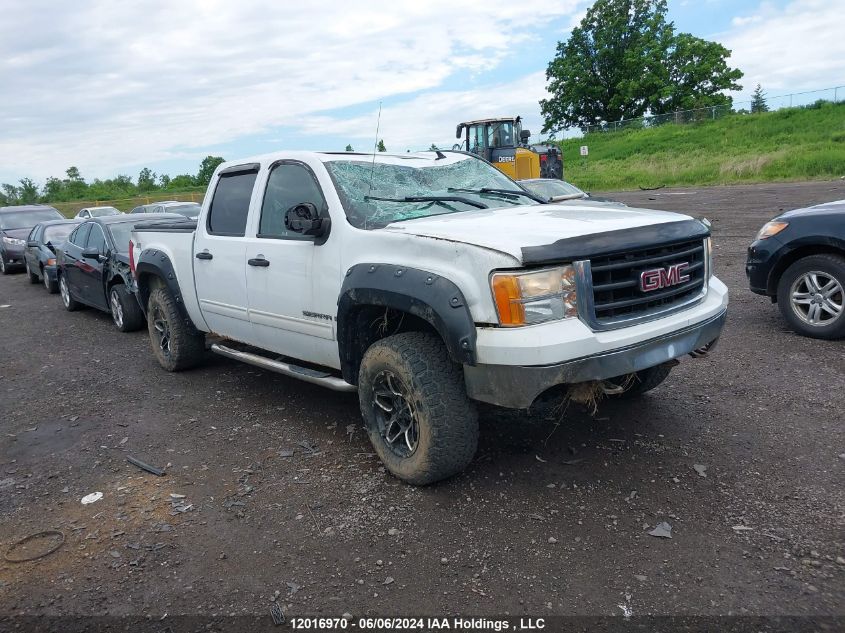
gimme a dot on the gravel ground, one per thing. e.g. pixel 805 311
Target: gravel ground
pixel 742 453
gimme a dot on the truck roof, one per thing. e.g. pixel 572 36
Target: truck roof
pixel 420 158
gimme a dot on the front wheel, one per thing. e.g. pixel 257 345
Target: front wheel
pixel 415 408
pixel 125 311
pixel 51 285
pixel 811 296
pixel 175 345
pixel 4 269
pixel 33 278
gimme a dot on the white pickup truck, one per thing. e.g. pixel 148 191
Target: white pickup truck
pixel 426 282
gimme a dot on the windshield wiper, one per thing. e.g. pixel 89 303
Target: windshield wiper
pixel 472 203
pixel 512 193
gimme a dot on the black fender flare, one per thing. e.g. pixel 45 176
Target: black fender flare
pixel 426 295
pixel 156 263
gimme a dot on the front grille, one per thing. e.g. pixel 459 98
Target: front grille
pixel 616 281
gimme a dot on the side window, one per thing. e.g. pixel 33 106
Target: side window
pixel 33 234
pixel 80 235
pixel 230 204
pixel 137 210
pixel 96 239
pixel 288 184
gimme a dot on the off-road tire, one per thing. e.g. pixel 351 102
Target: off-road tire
pixel 833 265
pixel 447 419
pixel 186 347
pixel 131 317
pixel 70 304
pixel 33 278
pixel 644 380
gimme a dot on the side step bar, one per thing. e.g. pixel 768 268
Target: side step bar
pixel 287 369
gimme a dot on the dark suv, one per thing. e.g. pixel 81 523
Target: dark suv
pixel 15 225
pixel 798 259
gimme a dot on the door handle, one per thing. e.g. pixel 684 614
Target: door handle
pixel 204 255
pixel 256 261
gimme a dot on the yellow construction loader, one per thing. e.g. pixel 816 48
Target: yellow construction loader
pixel 504 143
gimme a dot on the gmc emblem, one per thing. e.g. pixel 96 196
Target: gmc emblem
pixel 658 278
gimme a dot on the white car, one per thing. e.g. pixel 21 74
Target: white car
pixel 96 212
pixel 426 282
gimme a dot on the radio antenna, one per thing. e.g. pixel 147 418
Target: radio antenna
pixel 375 149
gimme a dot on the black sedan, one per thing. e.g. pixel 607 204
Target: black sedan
pixel 15 225
pixel 798 259
pixel 93 270
pixel 40 254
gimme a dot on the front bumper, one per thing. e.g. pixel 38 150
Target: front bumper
pixel 13 255
pixel 517 386
pixel 763 256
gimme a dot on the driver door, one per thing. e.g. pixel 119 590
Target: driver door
pixel 283 268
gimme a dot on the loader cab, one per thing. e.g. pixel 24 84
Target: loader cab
pixel 501 142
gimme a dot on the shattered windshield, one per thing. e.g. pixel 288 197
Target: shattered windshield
pixel 456 176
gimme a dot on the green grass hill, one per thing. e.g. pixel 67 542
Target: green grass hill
pixel 806 143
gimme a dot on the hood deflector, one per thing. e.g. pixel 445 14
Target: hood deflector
pixel 613 242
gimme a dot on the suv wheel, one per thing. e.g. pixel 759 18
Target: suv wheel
pixel 125 311
pixel 415 408
pixel 811 296
pixel 175 345
pixel 68 301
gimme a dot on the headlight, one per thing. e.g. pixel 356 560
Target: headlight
pixel 535 297
pixel 14 241
pixel 771 228
pixel 51 262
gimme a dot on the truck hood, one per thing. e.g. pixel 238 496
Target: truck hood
pixel 510 229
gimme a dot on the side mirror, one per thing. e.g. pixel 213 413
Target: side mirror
pixel 304 218
pixel 91 253
pixel 32 244
pixel 524 136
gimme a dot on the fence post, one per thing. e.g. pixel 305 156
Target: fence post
pixel 836 95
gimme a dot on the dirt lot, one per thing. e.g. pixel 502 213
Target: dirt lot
pixel 284 499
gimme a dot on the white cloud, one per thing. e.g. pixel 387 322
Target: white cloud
pixel 103 84
pixel 790 49
pixel 432 117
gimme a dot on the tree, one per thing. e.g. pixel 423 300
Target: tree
pixel 381 146
pixel 28 191
pixel 10 194
pixel 625 60
pixel 698 74
pixel 73 174
pixel 147 180
pixel 182 181
pixel 164 181
pixel 349 148
pixel 758 101
pixel 207 167
pixel 53 190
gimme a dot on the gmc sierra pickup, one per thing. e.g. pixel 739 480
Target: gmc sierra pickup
pixel 426 282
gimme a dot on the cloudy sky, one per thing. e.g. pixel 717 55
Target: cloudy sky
pixel 115 86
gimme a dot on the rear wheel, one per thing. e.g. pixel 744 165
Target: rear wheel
pixel 125 311
pixel 33 277
pixel 175 344
pixel 68 301
pixel 415 408
pixel 811 296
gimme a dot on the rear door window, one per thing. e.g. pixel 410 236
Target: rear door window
pixel 96 239
pixel 230 204
pixel 80 235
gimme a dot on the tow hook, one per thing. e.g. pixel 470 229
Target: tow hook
pixel 701 352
